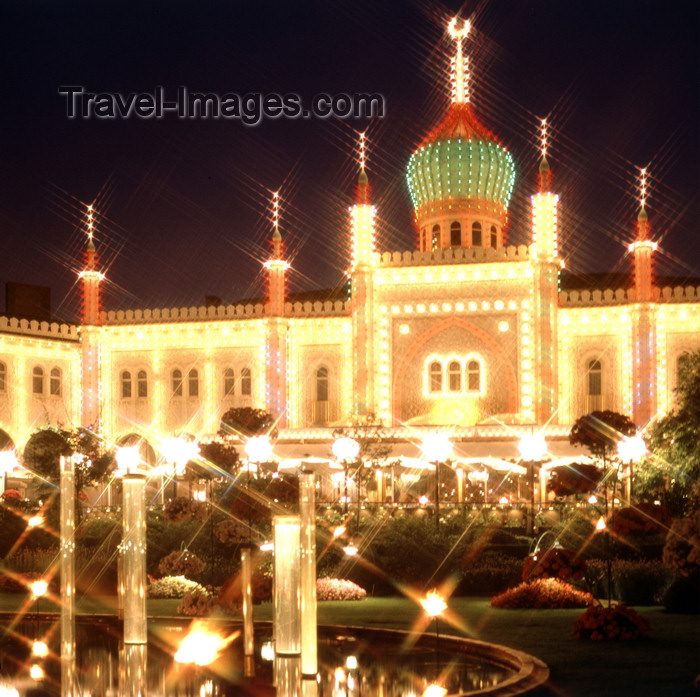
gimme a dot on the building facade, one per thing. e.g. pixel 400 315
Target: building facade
pixel 464 332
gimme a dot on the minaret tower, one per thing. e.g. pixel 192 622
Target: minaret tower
pixel 546 263
pixel 277 325
pixel 643 315
pixel 362 224
pixel 90 318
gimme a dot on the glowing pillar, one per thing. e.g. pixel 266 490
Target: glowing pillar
pixel 307 506
pixel 67 487
pixel 288 673
pixel 287 582
pixel 247 592
pixel 134 558
pixel 132 670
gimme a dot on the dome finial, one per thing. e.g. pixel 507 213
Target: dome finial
pixel 642 218
pixel 276 236
pixel 460 69
pixel 90 227
pixel 545 172
pixel 362 180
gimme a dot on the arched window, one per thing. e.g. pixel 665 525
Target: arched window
pixel 456 234
pixel 595 378
pixel 38 380
pixel 454 376
pixel 435 376
pixel 177 382
pixel 55 382
pixel 246 382
pixel 3 377
pixel 322 385
pixel 193 383
pixel 435 242
pixel 494 237
pixel 424 238
pixel 125 380
pixel 473 376
pixel 476 235
pixel 141 384
pixel 229 382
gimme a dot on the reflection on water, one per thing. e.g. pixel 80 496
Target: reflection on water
pixel 349 666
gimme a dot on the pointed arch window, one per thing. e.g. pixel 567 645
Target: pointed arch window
pixel 456 234
pixel 3 377
pixel 494 237
pixel 38 380
pixel 435 376
pixel 229 382
pixel 125 381
pixel 246 382
pixel 476 235
pixel 176 382
pixel 595 378
pixel 322 384
pixel 473 376
pixel 454 376
pixel 193 383
pixel 435 240
pixel 55 380
pixel 142 384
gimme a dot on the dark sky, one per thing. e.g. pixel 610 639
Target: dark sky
pixel 183 204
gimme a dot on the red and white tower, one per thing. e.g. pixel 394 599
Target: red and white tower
pixel 362 225
pixel 643 315
pixel 277 325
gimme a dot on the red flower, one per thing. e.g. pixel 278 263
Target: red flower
pixel 618 622
pixel 556 562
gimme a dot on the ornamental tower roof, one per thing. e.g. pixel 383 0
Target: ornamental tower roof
pixel 460 167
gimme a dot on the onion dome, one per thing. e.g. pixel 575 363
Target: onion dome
pixel 460 174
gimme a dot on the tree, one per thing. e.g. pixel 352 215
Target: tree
pixel 675 468
pixel 246 422
pixel 601 431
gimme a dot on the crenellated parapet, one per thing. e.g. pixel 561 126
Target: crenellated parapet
pixel 676 294
pixel 622 296
pixel 327 308
pixel 184 314
pixel 50 330
pixel 457 255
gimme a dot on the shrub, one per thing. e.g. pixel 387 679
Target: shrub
pixel 683 595
pixel 172 587
pixel 682 549
pixel 578 478
pixel 640 582
pixel 338 589
pixel 197 603
pixel 642 519
pixel 617 622
pixel 546 593
pixel 555 562
pixel 180 564
pixel 489 574
pixel 184 508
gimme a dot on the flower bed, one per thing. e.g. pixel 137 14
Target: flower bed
pixel 197 603
pixel 338 589
pixel 556 562
pixel 604 623
pixel 642 519
pixel 172 587
pixel 547 593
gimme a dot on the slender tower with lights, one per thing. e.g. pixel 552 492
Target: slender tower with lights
pixel 643 316
pixel 90 278
pixel 362 223
pixel 277 325
pixel 545 258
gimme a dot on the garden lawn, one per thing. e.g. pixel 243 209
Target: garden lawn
pixel 664 664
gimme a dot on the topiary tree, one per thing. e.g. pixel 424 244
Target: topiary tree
pixel 601 431
pixel 247 422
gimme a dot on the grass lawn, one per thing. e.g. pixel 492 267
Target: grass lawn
pixel 664 664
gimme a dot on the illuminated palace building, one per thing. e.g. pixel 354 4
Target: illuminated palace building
pixel 463 332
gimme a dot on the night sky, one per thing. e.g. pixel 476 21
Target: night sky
pixel 183 205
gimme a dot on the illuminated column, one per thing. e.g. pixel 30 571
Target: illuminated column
pixel 132 670
pixel 67 488
pixel 645 399
pixel 247 593
pixel 545 225
pixel 134 557
pixel 307 512
pixel 362 216
pixel 287 585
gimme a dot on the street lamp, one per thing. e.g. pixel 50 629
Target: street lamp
pixel 178 452
pixel 532 448
pixel 345 450
pixel 631 449
pixel 434 605
pixel 437 448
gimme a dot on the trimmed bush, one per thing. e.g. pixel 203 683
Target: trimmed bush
pixel 545 593
pixel 172 587
pixel 338 589
pixel 604 623
pixel 683 596
pixel 197 603
pixel 489 574
pixel 180 564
